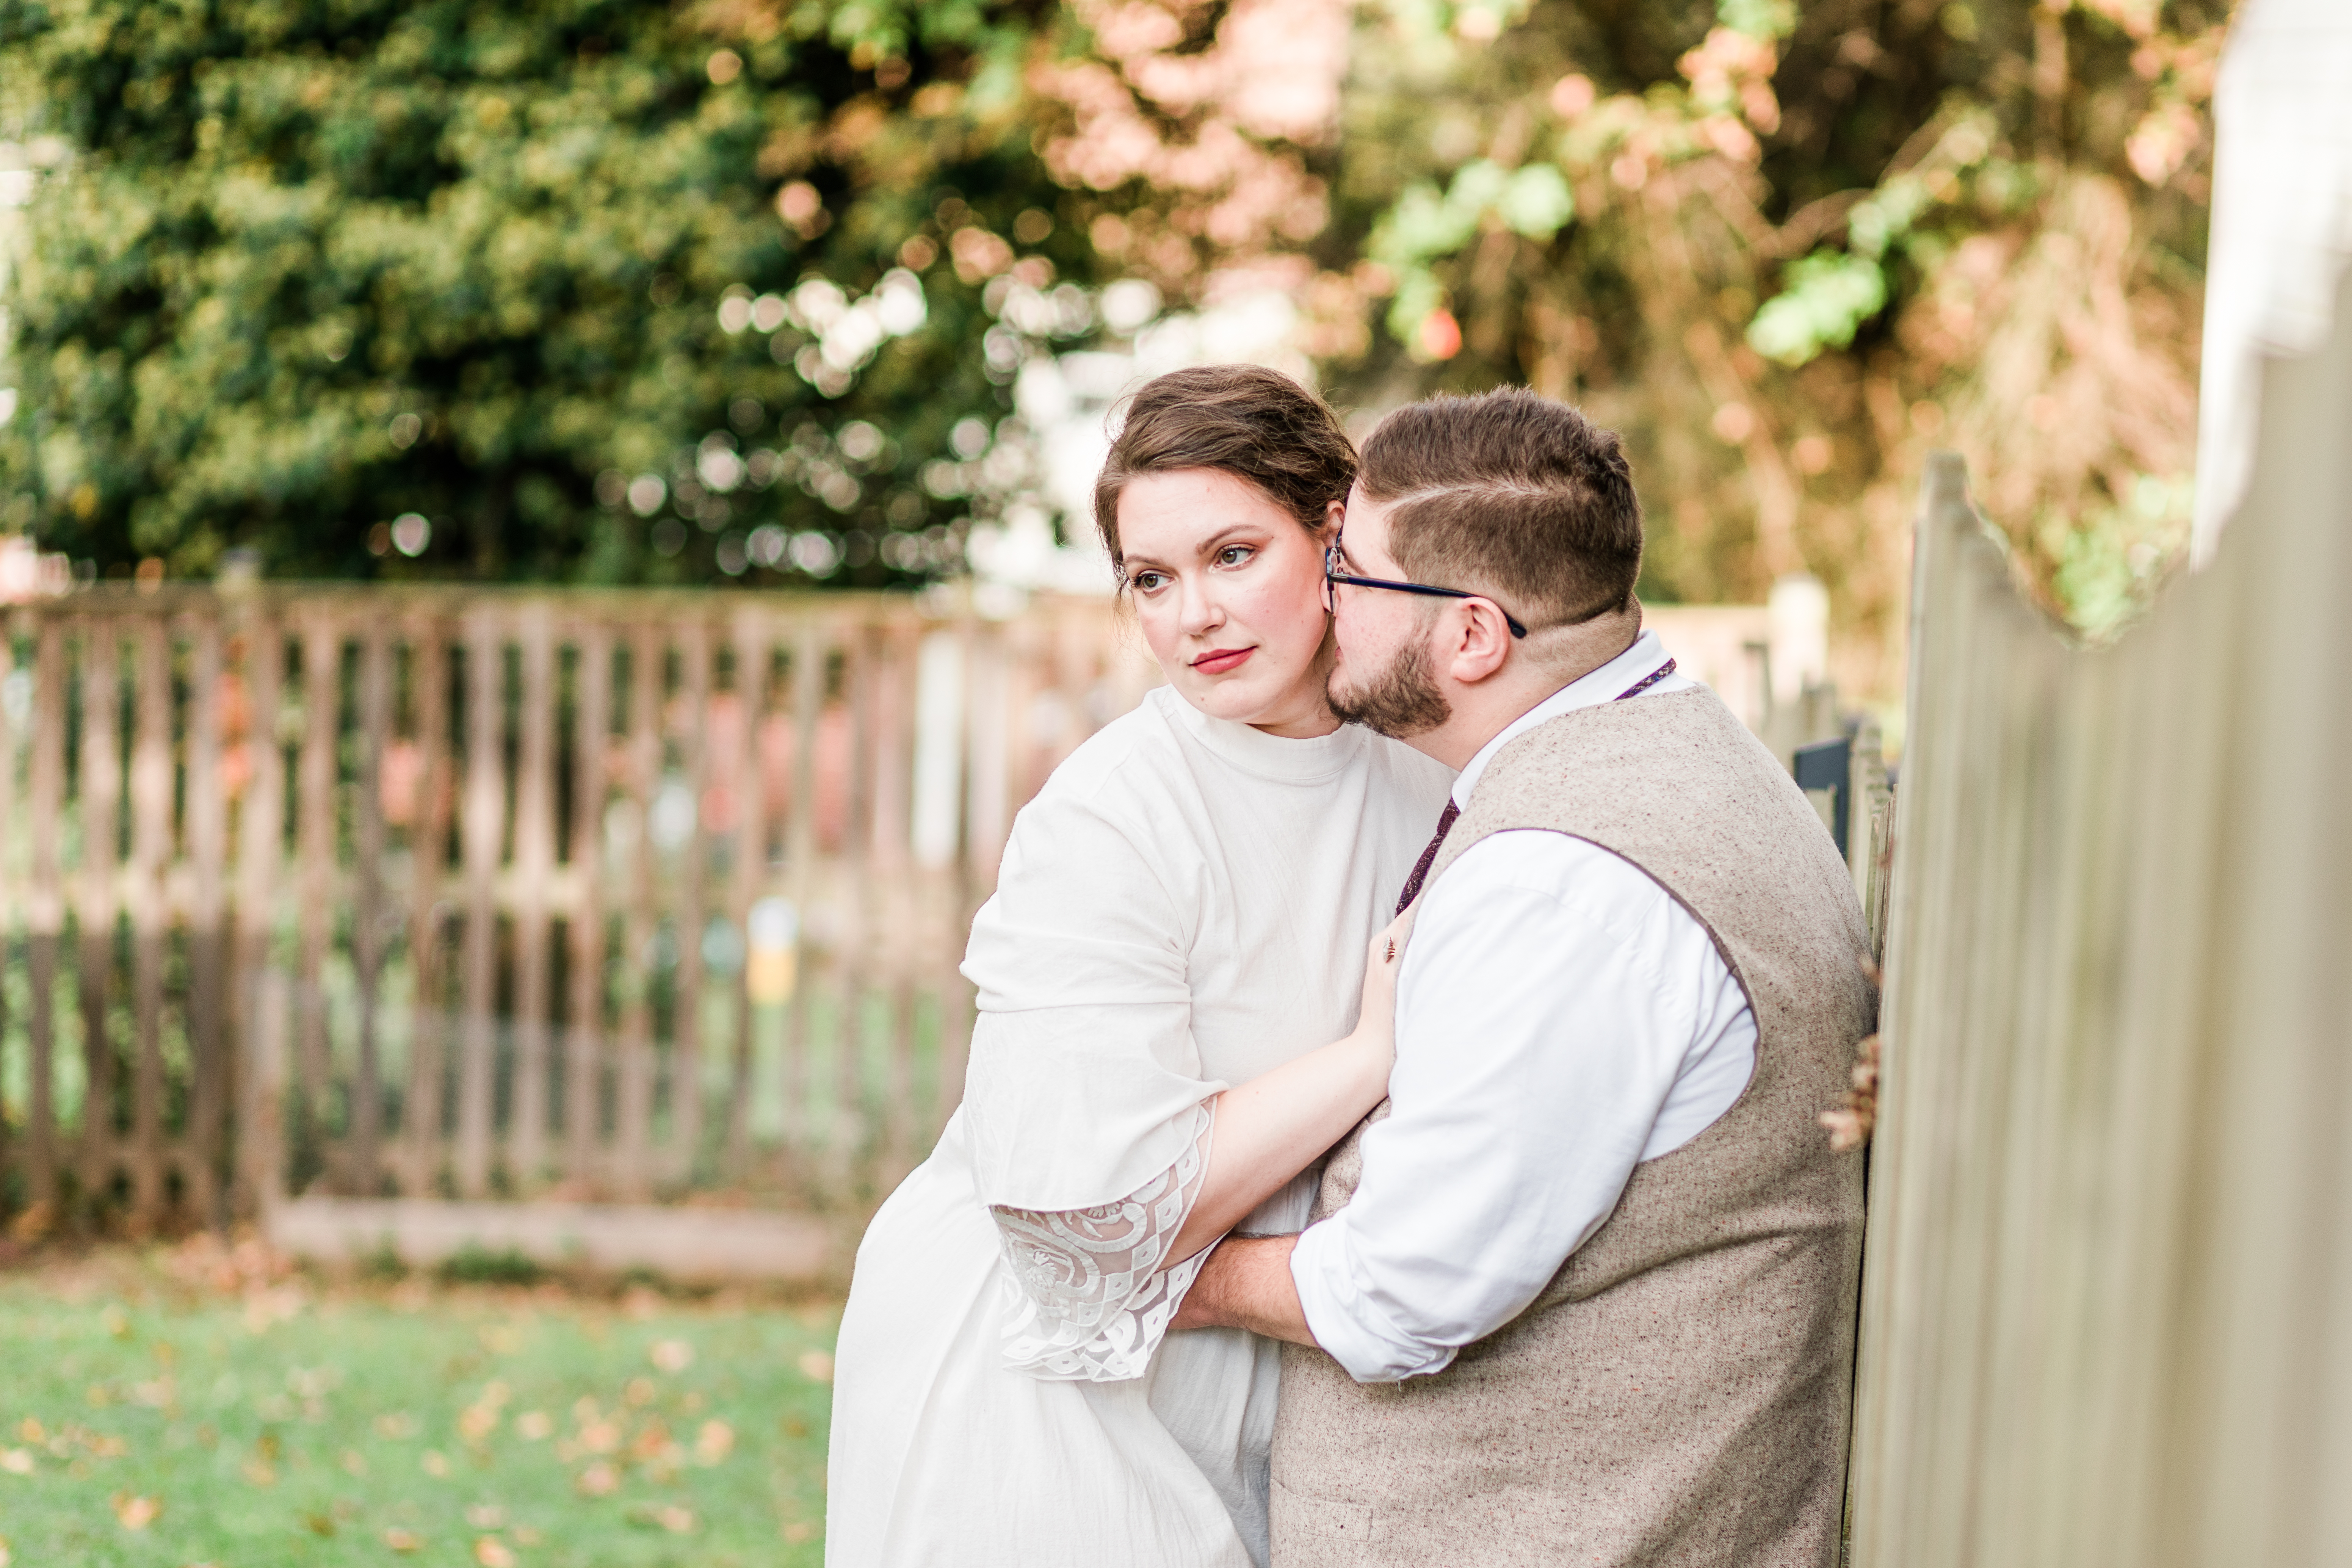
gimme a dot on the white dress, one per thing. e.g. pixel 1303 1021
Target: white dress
pixel 1184 906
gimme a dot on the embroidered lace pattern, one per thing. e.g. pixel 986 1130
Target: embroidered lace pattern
pixel 1085 1297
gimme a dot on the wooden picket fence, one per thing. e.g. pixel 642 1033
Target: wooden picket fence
pixel 580 894
pixel 2107 1319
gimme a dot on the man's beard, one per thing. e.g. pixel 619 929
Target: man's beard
pixel 1401 701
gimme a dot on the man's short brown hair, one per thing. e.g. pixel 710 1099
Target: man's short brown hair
pixel 1510 494
pixel 1239 419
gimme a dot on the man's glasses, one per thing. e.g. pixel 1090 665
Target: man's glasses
pixel 1333 578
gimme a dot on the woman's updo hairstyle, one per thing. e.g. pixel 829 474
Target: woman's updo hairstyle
pixel 1239 419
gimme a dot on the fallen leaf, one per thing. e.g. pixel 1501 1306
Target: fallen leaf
pixel 17 1461
pixel 533 1424
pixel 403 1540
pixel 817 1366
pixel 599 1479
pixel 136 1513
pixel 485 1516
pixel 601 1437
pixel 399 1424
pixel 652 1440
pixel 678 1521
pixel 436 1464
pixel 354 1461
pixel 672 1355
pixel 714 1442
pixel 803 1530
pixel 492 1553
pixel 115 1321
pixel 526 1536
pixel 5 1557
pixel 638 1391
pixel 32 1431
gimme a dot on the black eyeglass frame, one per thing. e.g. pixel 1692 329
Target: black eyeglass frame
pixel 1332 576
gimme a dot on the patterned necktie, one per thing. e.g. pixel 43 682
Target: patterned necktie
pixel 1445 818
pixel 1421 867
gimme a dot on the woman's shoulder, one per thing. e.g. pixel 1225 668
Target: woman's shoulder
pixel 1126 758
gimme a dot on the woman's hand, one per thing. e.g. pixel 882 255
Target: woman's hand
pixel 1376 1017
pixel 1274 1126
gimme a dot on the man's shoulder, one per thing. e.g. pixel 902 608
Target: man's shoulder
pixel 1520 879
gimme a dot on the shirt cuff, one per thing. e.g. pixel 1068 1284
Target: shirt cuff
pixel 1345 1322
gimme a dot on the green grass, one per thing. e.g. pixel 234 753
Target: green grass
pixel 269 1422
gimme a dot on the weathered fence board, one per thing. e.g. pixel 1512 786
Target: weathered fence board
pixel 2107 1316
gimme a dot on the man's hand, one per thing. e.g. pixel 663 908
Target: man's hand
pixel 1247 1284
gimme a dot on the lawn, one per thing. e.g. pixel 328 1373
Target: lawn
pixel 196 1405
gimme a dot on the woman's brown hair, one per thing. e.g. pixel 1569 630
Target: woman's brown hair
pixel 1239 419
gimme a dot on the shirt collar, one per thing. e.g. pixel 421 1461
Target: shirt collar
pixel 1591 690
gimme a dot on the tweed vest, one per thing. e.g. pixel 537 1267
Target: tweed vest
pixel 1679 1392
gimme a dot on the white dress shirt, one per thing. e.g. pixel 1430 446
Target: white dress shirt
pixel 1560 1018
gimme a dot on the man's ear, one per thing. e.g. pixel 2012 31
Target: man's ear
pixel 1334 515
pixel 1478 640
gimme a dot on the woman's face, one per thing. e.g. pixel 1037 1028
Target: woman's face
pixel 1229 591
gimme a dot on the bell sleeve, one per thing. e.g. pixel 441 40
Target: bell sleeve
pixel 1084 1100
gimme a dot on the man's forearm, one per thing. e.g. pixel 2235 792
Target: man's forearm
pixel 1247 1284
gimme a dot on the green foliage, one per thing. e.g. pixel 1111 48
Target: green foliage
pixel 1824 297
pixel 1798 243
pixel 298 268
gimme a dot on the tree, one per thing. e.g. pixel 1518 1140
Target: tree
pixel 1789 248
pixel 604 290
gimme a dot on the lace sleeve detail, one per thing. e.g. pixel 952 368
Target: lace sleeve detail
pixel 1085 1297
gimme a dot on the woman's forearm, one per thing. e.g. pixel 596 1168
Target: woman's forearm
pixel 1273 1127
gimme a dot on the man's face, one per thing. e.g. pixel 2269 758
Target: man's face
pixel 1381 676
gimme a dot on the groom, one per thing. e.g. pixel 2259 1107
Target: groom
pixel 1583 1291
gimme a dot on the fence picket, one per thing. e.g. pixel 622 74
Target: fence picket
pixel 44 911
pixel 534 863
pixel 747 874
pixel 151 923
pixel 422 1109
pixel 692 708
pixel 480 832
pixel 206 832
pixel 592 728
pixel 634 1068
pixel 367 908
pixel 801 1129
pixel 260 833
pixel 8 897
pixel 320 643
pixel 100 787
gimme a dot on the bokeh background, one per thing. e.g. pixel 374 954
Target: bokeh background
pixel 746 293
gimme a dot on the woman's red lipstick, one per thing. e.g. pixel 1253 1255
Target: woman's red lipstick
pixel 1222 661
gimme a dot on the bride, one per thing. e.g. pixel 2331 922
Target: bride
pixel 1169 1032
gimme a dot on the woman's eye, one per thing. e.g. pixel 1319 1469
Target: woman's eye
pixel 1235 554
pixel 1145 581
